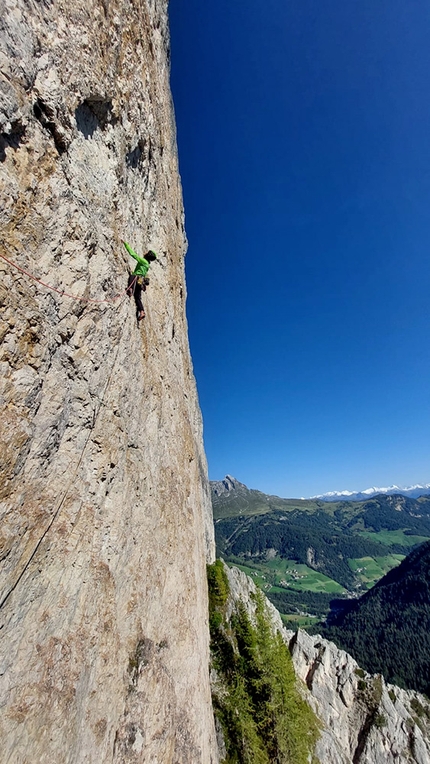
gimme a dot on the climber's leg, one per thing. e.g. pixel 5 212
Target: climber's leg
pixel 138 301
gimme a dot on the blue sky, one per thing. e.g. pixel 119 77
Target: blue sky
pixel 304 148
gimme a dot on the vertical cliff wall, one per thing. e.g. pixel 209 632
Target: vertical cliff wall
pixel 105 504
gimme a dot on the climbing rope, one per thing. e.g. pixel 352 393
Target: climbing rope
pixel 60 291
pixel 101 403
pixel 71 481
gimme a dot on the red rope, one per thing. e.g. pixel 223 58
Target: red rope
pixel 60 291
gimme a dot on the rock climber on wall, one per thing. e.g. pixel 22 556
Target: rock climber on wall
pixel 138 280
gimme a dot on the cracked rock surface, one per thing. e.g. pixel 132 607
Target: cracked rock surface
pixel 366 720
pixel 104 500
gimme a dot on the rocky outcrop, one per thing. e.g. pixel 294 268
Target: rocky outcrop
pixel 366 721
pixel 230 497
pixel 363 720
pixel 219 487
pixel 105 503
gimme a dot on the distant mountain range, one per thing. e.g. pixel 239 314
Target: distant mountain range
pixel 413 491
pixel 231 484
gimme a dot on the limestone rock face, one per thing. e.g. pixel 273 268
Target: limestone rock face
pixel 363 720
pixel 105 504
pixel 366 721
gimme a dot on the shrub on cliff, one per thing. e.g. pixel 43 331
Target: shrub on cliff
pixel 262 714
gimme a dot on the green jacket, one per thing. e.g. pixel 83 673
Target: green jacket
pixel 142 266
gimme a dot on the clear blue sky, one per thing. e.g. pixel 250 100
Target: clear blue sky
pixel 304 147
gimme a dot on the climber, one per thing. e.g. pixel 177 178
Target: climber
pixel 138 280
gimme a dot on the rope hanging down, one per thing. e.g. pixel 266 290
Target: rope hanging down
pixel 60 291
pixel 66 492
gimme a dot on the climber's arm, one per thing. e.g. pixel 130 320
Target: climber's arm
pixel 132 252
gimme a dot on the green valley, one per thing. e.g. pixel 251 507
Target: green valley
pixel 305 553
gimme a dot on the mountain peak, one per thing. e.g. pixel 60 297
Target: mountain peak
pixel 229 483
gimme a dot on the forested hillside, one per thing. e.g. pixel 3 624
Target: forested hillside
pixel 388 629
pixel 316 540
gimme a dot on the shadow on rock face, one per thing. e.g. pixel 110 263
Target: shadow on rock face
pixel 11 139
pixel 93 114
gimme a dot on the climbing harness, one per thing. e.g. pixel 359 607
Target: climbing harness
pixel 60 291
